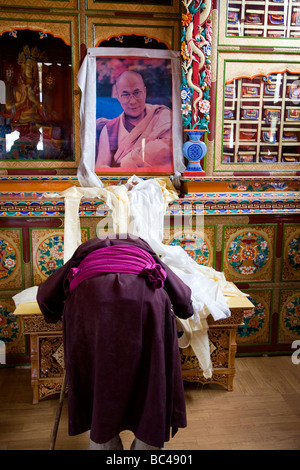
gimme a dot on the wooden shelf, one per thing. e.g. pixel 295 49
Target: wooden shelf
pixel 271 127
pixel 246 18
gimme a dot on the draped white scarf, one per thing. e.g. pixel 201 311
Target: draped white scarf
pixel 138 207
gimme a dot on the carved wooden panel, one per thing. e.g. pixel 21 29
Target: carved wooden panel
pixel 163 30
pixel 40 117
pixel 51 355
pixel 148 6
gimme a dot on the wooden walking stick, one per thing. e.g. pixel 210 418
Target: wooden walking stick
pixel 58 412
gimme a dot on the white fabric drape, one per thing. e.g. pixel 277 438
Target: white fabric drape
pixel 138 207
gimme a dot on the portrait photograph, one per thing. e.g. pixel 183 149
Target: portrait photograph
pixel 134 117
pixel 130 113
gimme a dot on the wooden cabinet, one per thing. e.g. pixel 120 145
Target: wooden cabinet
pixel 263 18
pixel 47 354
pixel 259 113
pixel 250 195
pixel 223 346
pixel 257 109
pixel 262 119
pixel 260 22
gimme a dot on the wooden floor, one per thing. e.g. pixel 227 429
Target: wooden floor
pixel 262 412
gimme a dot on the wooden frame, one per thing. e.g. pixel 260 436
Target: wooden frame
pixel 62 28
pixel 122 163
pixel 249 68
pixel 135 6
pixel 62 4
pixel 265 23
pixel 101 28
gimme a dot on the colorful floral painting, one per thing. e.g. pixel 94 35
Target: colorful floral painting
pixel 8 259
pixel 291 253
pixel 255 324
pixel 9 326
pixel 196 43
pixel 291 316
pixel 195 246
pixel 248 253
pixel 48 251
pixel 50 254
pixel 13 348
pixel 294 253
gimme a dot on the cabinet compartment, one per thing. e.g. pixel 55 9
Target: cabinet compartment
pixel 260 110
pixel 266 124
pixel 263 18
pixel 267 23
pixel 39 116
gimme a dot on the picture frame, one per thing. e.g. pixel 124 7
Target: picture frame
pixel 157 127
pixel 150 6
pixel 276 145
pixel 51 141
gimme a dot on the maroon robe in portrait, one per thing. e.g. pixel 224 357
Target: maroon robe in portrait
pixel 121 348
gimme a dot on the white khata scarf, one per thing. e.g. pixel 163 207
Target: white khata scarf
pixel 138 207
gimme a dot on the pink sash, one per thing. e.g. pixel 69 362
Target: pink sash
pixel 118 259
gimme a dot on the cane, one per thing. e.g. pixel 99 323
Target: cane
pixel 58 411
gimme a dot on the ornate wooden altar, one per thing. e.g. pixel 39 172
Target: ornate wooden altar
pixel 47 356
pixel 46 351
pixel 223 347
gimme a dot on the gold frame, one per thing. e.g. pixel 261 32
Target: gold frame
pixel 247 65
pixel 63 4
pixel 248 40
pixel 100 28
pixel 135 7
pixel 65 27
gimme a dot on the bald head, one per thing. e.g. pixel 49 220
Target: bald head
pixel 131 92
pixel 127 78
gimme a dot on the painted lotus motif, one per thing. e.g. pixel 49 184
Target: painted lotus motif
pixel 248 253
pixel 291 317
pixel 254 320
pixel 294 253
pixel 50 254
pixel 9 327
pixel 195 246
pixel 8 259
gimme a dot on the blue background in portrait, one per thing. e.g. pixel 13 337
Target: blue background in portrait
pixel 108 107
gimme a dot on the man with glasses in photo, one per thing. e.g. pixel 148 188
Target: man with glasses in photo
pixel 142 135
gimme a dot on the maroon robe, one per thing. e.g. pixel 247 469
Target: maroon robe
pixel 121 348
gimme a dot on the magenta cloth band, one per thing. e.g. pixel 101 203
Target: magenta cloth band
pixel 118 259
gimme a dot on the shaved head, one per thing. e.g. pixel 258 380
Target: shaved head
pixel 129 77
pixel 131 93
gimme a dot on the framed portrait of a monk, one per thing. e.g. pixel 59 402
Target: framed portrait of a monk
pixel 135 97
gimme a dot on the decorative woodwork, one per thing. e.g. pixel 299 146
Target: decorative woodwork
pixel 263 19
pixel 46 352
pixel 222 337
pixel 235 193
pixel 46 343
